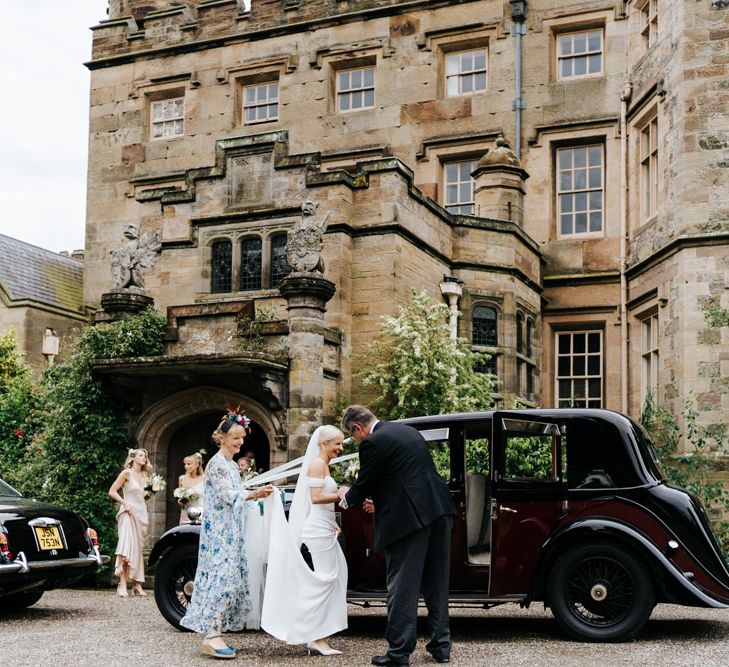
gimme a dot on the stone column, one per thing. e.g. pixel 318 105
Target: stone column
pixel 121 303
pixel 307 294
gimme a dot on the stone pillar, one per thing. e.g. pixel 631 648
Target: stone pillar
pixel 307 294
pixel 499 184
pixel 121 303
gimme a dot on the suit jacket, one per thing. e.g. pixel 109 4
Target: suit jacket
pixel 398 473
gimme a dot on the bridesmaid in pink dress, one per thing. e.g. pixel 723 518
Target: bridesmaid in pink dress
pixel 194 478
pixel 132 521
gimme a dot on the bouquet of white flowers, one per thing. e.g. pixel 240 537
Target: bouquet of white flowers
pixel 352 470
pixel 154 483
pixel 184 496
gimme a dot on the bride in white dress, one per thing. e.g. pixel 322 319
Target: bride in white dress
pixel 301 606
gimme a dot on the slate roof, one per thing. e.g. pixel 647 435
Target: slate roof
pixel 34 274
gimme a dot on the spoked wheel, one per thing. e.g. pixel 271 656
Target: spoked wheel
pixel 173 583
pixel 601 593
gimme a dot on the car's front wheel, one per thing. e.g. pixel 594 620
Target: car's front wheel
pixel 173 583
pixel 20 601
pixel 601 593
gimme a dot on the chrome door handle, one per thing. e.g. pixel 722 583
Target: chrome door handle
pixel 507 509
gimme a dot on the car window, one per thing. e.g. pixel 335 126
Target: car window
pixel 648 451
pixel 597 456
pixel 531 456
pixel 477 438
pixel 440 450
pixel 7 490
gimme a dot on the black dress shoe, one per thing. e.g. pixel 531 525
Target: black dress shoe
pixel 386 660
pixel 441 658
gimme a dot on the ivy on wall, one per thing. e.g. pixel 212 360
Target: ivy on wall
pixel 74 438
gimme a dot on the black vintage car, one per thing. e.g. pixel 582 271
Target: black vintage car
pixel 566 507
pixel 41 547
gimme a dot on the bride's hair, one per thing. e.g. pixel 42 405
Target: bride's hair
pixel 329 432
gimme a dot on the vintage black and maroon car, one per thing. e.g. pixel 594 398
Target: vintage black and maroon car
pixel 41 547
pixel 566 507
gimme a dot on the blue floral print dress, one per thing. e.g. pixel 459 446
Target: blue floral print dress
pixel 221 597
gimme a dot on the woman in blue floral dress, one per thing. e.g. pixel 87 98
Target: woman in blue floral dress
pixel 221 599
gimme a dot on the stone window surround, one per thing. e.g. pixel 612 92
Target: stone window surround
pixel 461 38
pixel 526 362
pixel 429 176
pixel 497 349
pixel 352 90
pixel 587 190
pixel 444 185
pixel 647 164
pixel 241 82
pixel 568 139
pixel 352 60
pixel 647 22
pixel 450 48
pixel 589 53
pixel 580 22
pixel 236 236
pixel 583 328
pixel 455 153
pixel 649 352
pixel 159 95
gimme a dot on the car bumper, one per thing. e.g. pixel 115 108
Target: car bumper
pixel 21 565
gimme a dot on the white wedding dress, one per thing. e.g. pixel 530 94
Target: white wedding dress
pixel 301 605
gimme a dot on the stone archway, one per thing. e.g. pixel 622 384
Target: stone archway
pixel 160 421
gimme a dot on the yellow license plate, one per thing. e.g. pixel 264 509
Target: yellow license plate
pixel 48 537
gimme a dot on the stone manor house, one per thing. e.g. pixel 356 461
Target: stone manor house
pixel 555 170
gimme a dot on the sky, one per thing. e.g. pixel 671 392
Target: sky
pixel 44 119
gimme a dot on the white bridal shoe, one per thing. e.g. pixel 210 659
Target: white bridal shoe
pixel 322 651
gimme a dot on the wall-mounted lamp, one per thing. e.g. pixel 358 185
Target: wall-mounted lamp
pixel 452 289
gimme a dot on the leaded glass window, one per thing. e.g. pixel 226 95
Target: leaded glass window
pixel 484 332
pixel 221 266
pixel 279 264
pixel 251 263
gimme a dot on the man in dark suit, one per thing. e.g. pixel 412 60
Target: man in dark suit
pixel 413 522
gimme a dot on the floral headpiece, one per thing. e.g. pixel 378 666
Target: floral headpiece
pixel 236 417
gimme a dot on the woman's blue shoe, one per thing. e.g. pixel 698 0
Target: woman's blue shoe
pixel 224 653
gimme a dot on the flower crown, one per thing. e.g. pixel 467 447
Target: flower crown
pixel 235 417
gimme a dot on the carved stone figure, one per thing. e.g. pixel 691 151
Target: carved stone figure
pixel 129 261
pixel 304 243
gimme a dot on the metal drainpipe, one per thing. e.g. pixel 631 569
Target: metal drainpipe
pixel 624 99
pixel 518 28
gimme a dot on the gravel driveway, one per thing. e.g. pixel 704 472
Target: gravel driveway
pixel 95 628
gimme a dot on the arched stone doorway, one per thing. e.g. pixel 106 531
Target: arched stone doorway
pixel 193 436
pixel 181 423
